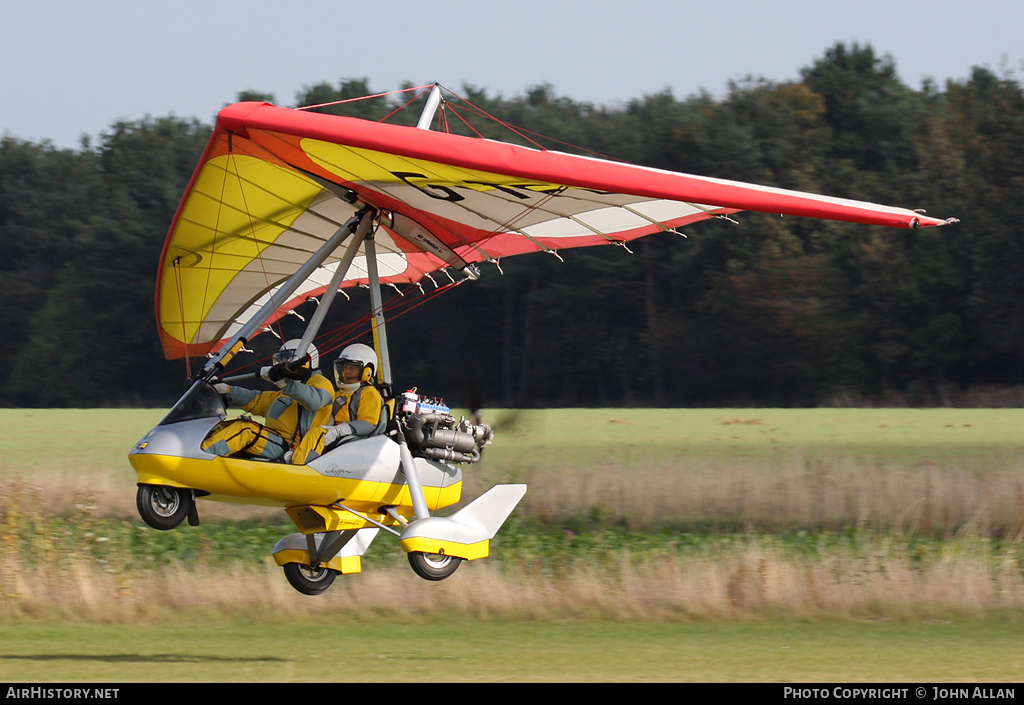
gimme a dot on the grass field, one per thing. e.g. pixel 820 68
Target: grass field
pixel 383 651
pixel 945 467
pixel 652 545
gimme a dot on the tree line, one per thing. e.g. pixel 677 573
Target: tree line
pixel 765 311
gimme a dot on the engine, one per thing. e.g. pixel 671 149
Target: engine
pixel 432 432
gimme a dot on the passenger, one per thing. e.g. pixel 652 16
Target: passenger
pixel 358 404
pixel 294 416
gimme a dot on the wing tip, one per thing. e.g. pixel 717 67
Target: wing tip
pixel 917 223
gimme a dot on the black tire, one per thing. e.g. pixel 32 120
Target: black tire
pixel 433 566
pixel 309 580
pixel 163 507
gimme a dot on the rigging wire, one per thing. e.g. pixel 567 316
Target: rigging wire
pixel 522 131
pixel 364 97
pixel 406 104
pixel 464 105
pixel 395 307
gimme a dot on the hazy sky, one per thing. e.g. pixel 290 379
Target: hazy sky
pixel 71 67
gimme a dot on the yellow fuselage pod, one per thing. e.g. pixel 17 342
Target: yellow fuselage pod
pixel 364 475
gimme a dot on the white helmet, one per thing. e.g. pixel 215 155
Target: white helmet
pixel 287 352
pixel 356 354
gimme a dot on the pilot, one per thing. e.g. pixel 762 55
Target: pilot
pixel 294 415
pixel 358 404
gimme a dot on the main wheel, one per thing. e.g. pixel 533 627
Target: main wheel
pixel 163 507
pixel 433 566
pixel 309 580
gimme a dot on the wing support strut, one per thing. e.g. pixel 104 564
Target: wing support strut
pixel 366 216
pixel 380 335
pixel 380 343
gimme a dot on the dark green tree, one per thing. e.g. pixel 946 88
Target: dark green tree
pixel 93 332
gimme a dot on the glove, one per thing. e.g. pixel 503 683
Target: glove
pixel 222 388
pixel 293 369
pixel 297 370
pixel 333 433
pixel 275 374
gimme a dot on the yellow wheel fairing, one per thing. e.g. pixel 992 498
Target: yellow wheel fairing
pixel 238 206
pixel 345 565
pixel 281 484
pixel 466 551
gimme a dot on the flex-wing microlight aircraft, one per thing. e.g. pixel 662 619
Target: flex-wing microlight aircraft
pixel 286 205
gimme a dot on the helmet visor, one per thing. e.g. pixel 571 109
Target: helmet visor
pixel 283 356
pixel 339 370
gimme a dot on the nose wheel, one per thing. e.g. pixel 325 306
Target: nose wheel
pixel 163 507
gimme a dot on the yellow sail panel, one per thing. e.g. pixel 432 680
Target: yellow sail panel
pixel 238 207
pixel 359 165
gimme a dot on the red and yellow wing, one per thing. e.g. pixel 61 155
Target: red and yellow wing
pixel 274 184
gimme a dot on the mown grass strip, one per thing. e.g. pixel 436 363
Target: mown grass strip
pixel 345 650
